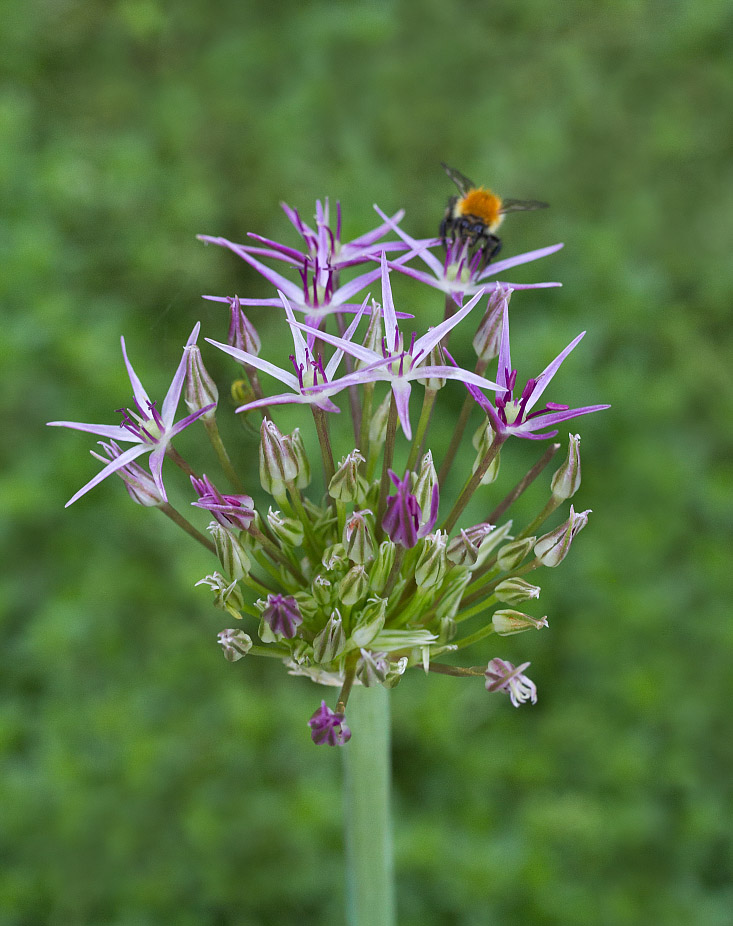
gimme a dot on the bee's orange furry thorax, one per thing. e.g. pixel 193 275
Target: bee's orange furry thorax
pixel 484 205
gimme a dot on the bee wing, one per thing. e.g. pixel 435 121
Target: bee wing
pixel 521 205
pixel 460 180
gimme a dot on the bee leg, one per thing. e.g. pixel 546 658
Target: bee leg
pixel 491 248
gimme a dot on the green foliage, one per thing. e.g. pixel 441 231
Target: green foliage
pixel 146 780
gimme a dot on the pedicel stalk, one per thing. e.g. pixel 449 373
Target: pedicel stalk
pixel 359 569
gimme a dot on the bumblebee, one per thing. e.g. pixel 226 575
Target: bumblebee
pixel 474 217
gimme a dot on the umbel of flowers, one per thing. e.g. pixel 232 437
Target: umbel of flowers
pixel 360 572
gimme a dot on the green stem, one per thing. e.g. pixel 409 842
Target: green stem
pixel 386 465
pixel 367 821
pixel 217 443
pixel 329 468
pixel 526 480
pixel 468 404
pixel 473 483
pixel 422 426
pixel 178 519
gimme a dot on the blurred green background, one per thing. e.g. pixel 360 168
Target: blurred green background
pixel 147 781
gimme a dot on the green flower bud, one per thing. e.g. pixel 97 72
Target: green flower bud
pixel 427 479
pixel 278 465
pixel 395 672
pixel 483 441
pixel 334 557
pixel 231 553
pixel 331 641
pixel 307 604
pixel 358 539
pixel 321 590
pixel 347 484
pixel 354 586
pixel 463 550
pixel 235 643
pixel 378 424
pixel 200 388
pixel 452 592
pixel 508 622
pixel 511 554
pixel 436 358
pixel 372 668
pixel 287 530
pixel 516 590
pixel 552 548
pixel 566 481
pixel 447 631
pixel 431 564
pixel 297 448
pixel 369 622
pixel 227 597
pixel 488 336
pixel 382 565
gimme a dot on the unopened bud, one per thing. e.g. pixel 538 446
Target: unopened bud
pixel 452 592
pixel 431 565
pixel 369 622
pixel 282 615
pixel 483 440
pixel 232 556
pixel 358 538
pixel 566 481
pixel 226 595
pixel 487 338
pixel 382 565
pixel 334 557
pixel 347 484
pixel 372 668
pixel 425 486
pixel 321 587
pixel 278 465
pixel 242 333
pixel 395 672
pixel 200 388
pixel 354 586
pixel 508 622
pixel 378 424
pixel 436 358
pixel 552 548
pixel 511 554
pixel 463 550
pixel 287 530
pixel 516 590
pixel 331 641
pixel 235 643
pixel 295 442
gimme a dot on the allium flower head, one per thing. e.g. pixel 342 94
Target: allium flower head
pixel 149 430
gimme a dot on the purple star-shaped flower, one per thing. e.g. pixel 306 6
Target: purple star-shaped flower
pixel 460 274
pixel 397 365
pixel 328 727
pixel 149 430
pixel 515 416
